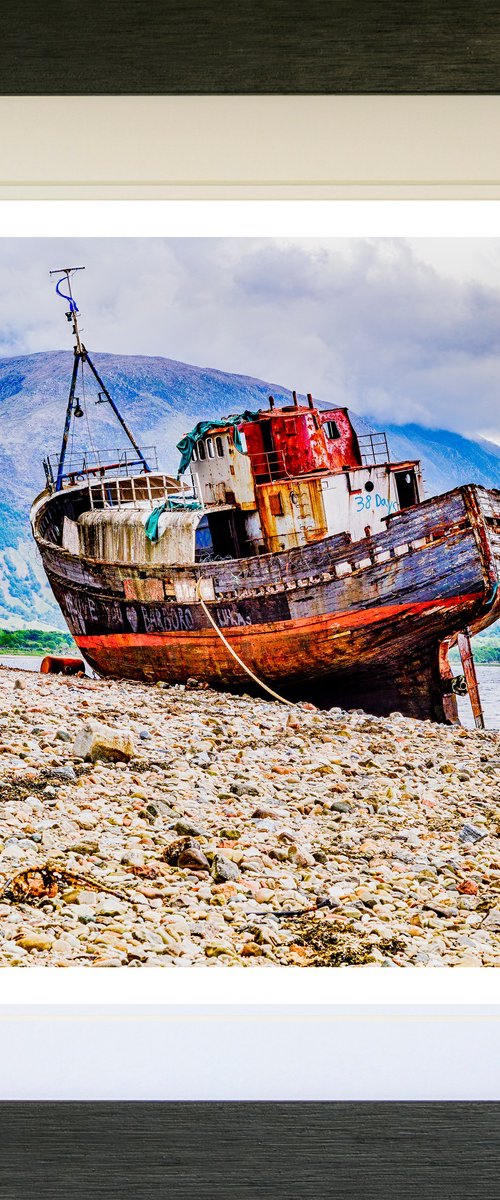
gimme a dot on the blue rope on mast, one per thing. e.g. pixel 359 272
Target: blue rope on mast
pixel 73 307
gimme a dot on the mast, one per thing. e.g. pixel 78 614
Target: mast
pixel 82 356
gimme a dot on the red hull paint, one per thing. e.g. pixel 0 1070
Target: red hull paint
pixel 298 649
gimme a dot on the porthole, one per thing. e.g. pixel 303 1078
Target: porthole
pixel 369 486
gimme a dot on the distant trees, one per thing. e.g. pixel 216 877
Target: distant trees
pixel 485 646
pixel 35 641
pixel 487 654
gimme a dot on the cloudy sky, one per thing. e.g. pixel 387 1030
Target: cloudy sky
pixel 398 329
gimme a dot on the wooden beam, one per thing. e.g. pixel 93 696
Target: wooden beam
pixel 469 669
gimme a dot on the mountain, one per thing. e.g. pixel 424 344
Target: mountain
pixel 448 459
pixel 161 399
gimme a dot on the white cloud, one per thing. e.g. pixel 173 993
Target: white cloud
pixel 400 329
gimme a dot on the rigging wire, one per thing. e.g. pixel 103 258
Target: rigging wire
pixel 72 444
pixel 85 409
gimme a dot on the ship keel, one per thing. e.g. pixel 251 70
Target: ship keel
pixel 415 682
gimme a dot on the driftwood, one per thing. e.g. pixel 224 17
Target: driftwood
pixel 37 884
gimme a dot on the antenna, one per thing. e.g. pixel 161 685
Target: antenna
pixel 82 356
pixel 66 273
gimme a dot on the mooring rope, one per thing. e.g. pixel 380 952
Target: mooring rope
pixel 239 660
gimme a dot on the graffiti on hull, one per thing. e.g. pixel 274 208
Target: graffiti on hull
pixel 88 614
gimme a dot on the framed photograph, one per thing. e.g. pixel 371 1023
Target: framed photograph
pixel 250 507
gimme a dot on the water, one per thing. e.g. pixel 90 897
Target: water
pixel 488 675
pixel 28 662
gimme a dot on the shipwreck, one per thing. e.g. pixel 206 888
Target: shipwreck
pixel 298 558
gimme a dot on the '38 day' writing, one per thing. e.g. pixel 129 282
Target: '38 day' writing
pixel 371 501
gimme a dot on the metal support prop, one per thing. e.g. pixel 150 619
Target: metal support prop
pixel 67 423
pixel 469 669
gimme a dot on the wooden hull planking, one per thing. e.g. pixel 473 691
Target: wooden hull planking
pixel 364 624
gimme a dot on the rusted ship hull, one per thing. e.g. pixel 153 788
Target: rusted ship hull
pixel 361 624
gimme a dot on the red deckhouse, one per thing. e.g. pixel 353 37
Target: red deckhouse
pixel 305 474
pixel 299 440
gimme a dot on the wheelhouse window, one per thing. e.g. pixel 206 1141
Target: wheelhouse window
pixel 194 456
pixel 201 451
pixel 219 446
pixel 210 448
pixel 331 429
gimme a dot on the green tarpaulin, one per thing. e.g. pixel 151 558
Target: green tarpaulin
pixel 173 504
pixel 187 444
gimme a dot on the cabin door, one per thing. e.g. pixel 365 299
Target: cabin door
pixel 406 487
pixel 227 532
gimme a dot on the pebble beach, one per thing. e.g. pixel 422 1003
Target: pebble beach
pixel 235 831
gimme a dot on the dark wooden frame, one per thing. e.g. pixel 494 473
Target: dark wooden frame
pixel 205 47
pixel 283 1151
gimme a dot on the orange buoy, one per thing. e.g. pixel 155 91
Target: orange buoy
pixel 55 664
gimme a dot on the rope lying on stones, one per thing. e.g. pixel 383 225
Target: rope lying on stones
pixel 256 679
pixel 53 874
pixel 228 647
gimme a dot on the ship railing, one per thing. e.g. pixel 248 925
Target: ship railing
pixel 140 491
pixel 374 449
pixel 96 464
pixel 269 466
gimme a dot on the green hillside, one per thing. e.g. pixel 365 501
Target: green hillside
pixel 35 641
pixel 485 646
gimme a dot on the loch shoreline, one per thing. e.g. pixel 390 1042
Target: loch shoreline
pixel 320 838
pixel 488 675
